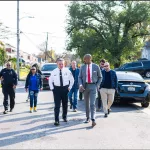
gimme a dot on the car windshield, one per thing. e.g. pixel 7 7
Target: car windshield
pixel 125 76
pixel 122 66
pixel 49 67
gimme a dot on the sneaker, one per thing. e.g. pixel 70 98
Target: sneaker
pixel 27 100
pixel 35 109
pixel 5 112
pixel 75 110
pixel 31 109
pixel 98 109
pixel 87 120
pixel 56 123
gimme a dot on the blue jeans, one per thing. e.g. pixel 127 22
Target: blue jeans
pixel 73 91
pixel 33 98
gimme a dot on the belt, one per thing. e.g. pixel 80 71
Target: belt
pixel 61 86
pixel 89 83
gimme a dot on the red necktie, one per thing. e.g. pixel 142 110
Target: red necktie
pixel 89 76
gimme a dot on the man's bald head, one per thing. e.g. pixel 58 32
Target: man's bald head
pixel 87 58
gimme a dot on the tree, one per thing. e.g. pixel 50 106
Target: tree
pixel 47 55
pixel 111 29
pixel 4 31
pixel 2 54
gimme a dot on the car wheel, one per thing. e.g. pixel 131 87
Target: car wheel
pixel 145 105
pixel 147 74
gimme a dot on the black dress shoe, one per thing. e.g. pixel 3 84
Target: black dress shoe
pixel 11 109
pixel 105 115
pixel 56 123
pixel 65 120
pixel 87 120
pixel 5 112
pixel 70 106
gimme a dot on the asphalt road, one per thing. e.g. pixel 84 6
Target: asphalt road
pixel 127 127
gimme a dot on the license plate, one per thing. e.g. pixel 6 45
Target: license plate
pixel 131 88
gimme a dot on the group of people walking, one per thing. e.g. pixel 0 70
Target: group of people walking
pixel 90 80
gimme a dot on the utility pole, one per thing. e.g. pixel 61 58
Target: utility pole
pixel 46 49
pixel 18 40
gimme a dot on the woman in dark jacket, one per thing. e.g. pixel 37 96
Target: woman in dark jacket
pixel 33 85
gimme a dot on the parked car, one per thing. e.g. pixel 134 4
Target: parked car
pixel 46 70
pixel 142 67
pixel 132 88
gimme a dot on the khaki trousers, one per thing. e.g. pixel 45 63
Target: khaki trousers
pixel 107 96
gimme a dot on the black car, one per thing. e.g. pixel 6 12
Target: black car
pixel 46 70
pixel 142 67
pixel 132 88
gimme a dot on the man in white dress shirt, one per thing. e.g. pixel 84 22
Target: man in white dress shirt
pixel 60 82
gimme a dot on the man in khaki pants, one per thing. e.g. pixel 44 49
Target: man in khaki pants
pixel 108 87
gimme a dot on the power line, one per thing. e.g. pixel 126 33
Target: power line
pixel 30 40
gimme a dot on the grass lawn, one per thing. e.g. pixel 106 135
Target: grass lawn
pixel 23 73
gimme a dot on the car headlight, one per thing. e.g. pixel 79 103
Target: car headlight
pixel 148 88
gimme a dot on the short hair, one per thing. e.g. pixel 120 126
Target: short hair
pixel 59 59
pixel 107 63
pixel 73 61
pixel 102 60
pixel 87 55
pixel 8 62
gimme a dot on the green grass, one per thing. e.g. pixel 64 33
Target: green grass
pixel 23 73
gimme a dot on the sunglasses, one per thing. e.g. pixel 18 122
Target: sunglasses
pixel 32 69
pixel 8 65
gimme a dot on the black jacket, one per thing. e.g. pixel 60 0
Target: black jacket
pixel 9 77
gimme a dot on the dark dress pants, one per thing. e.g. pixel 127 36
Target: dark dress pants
pixel 8 91
pixel 60 94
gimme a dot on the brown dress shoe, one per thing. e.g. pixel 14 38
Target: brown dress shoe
pixel 93 123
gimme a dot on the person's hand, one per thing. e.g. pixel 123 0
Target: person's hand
pixel 82 88
pixel 41 89
pixel 26 89
pixel 14 86
pixel 68 89
pixel 98 88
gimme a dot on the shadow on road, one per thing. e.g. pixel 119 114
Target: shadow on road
pixel 48 129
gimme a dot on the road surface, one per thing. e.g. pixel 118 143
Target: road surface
pixel 127 127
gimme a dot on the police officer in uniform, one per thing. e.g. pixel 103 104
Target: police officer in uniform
pixel 60 82
pixel 9 82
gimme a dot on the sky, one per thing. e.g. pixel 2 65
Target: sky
pixel 49 16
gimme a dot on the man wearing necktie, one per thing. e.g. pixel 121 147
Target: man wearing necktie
pixel 60 82
pixel 90 78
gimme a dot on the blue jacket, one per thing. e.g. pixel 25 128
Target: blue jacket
pixel 39 81
pixel 76 85
pixel 114 80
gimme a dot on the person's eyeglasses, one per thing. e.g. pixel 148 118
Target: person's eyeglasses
pixel 32 69
pixel 8 65
pixel 106 66
pixel 102 64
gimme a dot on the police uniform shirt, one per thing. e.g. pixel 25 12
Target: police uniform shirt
pixel 66 76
